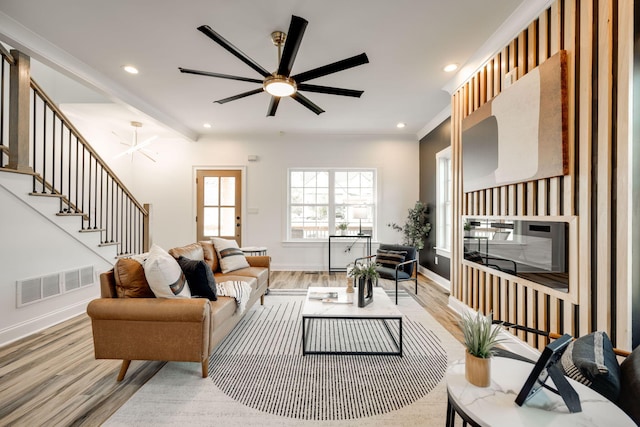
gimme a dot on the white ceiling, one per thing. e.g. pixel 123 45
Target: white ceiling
pixel 408 42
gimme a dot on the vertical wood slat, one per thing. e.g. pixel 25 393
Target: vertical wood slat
pixel 495 297
pixel 532 315
pixel 569 31
pixel 584 137
pixel 542 317
pixel 624 134
pixel 603 192
pixel 521 301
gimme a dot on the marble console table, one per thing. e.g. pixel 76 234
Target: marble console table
pixel 495 405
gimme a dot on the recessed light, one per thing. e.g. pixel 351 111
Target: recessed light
pixel 207 125
pixel 451 67
pixel 400 125
pixel 130 69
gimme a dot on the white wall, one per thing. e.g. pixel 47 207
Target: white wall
pixel 32 247
pixel 169 185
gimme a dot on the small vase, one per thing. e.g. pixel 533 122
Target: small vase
pixel 349 285
pixel 477 370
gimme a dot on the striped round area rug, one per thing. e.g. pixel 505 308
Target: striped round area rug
pixel 261 365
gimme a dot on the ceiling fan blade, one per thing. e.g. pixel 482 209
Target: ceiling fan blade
pixel 345 64
pixel 291 45
pixel 206 30
pixel 147 156
pixel 304 101
pixel 330 90
pixel 222 76
pixel 239 96
pixel 273 106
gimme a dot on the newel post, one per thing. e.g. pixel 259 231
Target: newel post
pixel 20 85
pixel 146 229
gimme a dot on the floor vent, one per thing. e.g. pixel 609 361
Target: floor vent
pixel 37 289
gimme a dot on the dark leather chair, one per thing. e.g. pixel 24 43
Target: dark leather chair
pixel 402 272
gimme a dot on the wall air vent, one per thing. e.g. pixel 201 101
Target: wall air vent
pixel 29 291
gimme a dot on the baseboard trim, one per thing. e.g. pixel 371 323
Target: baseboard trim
pixel 37 324
pixel 444 283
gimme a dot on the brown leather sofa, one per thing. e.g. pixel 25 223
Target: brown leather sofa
pixel 179 329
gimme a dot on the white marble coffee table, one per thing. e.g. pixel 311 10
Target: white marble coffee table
pixel 344 328
pixel 495 405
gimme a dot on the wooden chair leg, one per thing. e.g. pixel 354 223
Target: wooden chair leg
pixel 123 369
pixel 205 367
pixel 262 299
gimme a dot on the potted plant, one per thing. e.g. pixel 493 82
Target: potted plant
pixel 342 228
pixel 366 276
pixel 480 339
pixel 416 228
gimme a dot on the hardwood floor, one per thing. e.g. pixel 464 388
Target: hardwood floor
pixel 51 378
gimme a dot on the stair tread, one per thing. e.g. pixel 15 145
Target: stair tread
pixel 91 230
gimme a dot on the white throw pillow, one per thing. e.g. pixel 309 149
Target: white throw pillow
pixel 230 256
pixel 164 275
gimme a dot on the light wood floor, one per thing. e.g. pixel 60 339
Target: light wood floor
pixel 51 378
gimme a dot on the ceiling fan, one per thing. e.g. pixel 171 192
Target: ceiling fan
pixel 281 83
pixel 135 146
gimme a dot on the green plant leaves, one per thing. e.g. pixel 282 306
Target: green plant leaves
pixel 480 336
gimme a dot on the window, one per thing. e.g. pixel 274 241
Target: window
pixel 322 199
pixel 444 196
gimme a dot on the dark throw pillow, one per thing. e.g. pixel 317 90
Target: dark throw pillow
pixel 630 385
pixel 199 277
pixel 390 259
pixel 591 361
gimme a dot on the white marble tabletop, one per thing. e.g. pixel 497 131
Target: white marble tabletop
pixel 495 405
pixel 347 305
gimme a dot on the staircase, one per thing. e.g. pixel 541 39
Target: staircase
pixel 47 164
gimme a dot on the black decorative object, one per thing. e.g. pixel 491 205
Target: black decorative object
pixel 365 291
pixel 546 367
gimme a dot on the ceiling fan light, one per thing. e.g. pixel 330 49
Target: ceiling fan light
pixel 279 86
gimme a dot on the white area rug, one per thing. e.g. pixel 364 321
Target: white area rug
pixel 259 377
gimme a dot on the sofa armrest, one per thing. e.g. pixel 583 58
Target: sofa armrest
pixel 259 261
pixel 150 309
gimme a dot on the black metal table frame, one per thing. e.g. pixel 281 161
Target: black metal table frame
pixel 397 343
pixel 453 409
pixel 366 237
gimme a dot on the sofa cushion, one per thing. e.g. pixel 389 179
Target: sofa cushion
pixel 210 256
pixel 390 273
pixel 130 280
pixel 230 256
pixel 164 275
pixel 199 278
pixel 193 251
pixel 630 385
pixel 221 310
pixel 390 259
pixel 260 273
pixel 591 361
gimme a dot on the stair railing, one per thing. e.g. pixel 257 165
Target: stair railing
pixel 66 166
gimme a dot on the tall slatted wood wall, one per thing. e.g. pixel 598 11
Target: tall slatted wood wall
pixel 597 35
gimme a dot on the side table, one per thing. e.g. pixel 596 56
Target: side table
pixel 495 405
pixel 254 250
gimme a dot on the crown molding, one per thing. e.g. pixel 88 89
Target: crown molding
pixel 25 40
pixel 510 28
pixel 435 122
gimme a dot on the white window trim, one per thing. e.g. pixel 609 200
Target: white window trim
pixel 332 204
pixel 441 249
